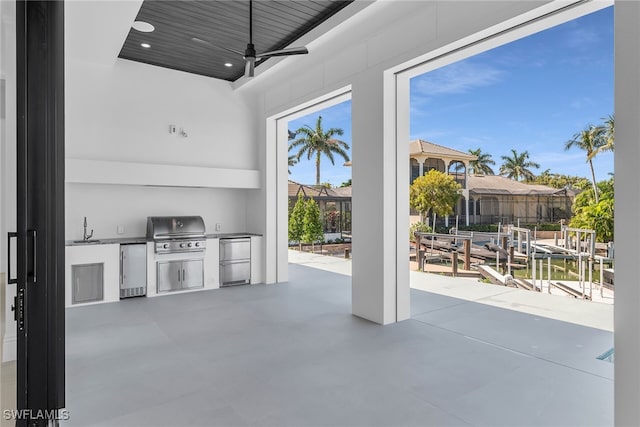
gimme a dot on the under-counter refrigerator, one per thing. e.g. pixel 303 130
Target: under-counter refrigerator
pixel 133 270
pixel 235 261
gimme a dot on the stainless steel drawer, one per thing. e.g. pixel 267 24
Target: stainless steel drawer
pixel 235 249
pixel 235 273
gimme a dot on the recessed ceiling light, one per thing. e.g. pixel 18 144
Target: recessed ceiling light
pixel 145 45
pixel 228 64
pixel 142 26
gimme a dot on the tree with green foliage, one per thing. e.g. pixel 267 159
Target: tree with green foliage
pixel 481 164
pixel 590 140
pixel 347 183
pixel 517 166
pixel 595 216
pixel 560 181
pixel 292 162
pixel 296 221
pixel 316 142
pixel 313 231
pixel 418 227
pixel 434 192
pixel 609 131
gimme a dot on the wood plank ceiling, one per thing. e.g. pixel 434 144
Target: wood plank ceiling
pixel 224 24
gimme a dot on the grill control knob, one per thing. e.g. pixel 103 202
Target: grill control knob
pixel 166 246
pixel 182 245
pixel 189 244
pixel 197 244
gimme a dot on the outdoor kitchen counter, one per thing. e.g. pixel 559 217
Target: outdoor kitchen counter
pixel 117 241
pixel 231 235
pixel 130 240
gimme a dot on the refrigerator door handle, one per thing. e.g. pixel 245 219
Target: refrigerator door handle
pixel 121 266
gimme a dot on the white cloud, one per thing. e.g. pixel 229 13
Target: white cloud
pixel 460 77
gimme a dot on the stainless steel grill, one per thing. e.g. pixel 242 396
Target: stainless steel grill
pixel 174 234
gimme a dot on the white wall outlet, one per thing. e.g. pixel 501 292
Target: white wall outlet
pixel 120 229
pixel 218 227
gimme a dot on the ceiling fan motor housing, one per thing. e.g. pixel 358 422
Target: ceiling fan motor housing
pixel 250 51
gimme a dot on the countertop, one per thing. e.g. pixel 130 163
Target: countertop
pixel 230 235
pixel 143 239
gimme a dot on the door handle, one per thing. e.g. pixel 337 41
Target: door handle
pixel 183 274
pixel 10 235
pixel 179 276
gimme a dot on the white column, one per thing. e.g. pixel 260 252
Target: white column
pixel 375 266
pixel 466 175
pixel 466 201
pixel 627 206
pixel 466 186
pixel 421 166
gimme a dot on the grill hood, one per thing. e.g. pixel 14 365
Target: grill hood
pixel 175 227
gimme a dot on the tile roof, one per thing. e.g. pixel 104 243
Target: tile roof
pixel 420 146
pixel 495 184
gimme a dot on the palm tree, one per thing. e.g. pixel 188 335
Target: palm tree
pixel 609 133
pixel 589 140
pixel 517 166
pixel 481 164
pixel 292 162
pixel 316 142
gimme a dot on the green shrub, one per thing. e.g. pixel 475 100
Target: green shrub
pixel 418 226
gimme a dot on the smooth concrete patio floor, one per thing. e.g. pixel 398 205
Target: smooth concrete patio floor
pixel 559 307
pixel 291 354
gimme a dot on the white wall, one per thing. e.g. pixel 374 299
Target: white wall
pixel 122 111
pixel 107 206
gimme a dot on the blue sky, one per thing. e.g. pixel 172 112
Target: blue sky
pixel 533 94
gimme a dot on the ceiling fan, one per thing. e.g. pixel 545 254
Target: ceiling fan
pixel 250 56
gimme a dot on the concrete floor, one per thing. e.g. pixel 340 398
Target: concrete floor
pixel 292 354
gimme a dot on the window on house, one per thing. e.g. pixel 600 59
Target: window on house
pixel 437 164
pixel 415 170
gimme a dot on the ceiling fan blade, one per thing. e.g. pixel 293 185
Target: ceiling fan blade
pixel 284 52
pixel 209 44
pixel 249 67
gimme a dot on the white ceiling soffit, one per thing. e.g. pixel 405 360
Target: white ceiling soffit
pixel 96 29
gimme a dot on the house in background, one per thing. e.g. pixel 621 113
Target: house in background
pixel 494 198
pixel 489 199
pixel 334 204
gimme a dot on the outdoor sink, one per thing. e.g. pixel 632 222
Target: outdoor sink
pixel 87 242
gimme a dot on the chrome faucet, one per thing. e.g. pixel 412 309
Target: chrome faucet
pixel 87 236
